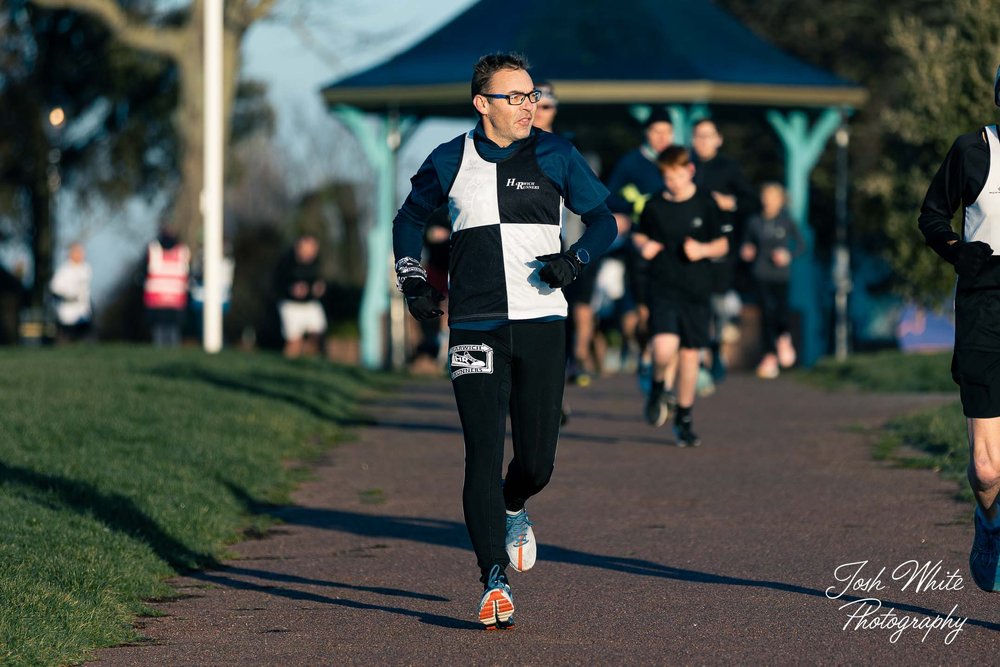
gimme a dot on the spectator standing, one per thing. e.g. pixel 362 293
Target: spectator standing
pixel 300 288
pixel 70 287
pixel 165 292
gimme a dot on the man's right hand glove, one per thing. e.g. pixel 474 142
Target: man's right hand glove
pixel 559 269
pixel 422 299
pixel 968 258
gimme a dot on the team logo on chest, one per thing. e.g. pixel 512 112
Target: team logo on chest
pixel 522 185
pixel 474 358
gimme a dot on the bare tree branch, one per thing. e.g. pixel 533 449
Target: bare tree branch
pixel 163 41
pixel 244 13
pixel 262 9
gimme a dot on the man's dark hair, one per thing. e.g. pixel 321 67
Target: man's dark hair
pixel 658 115
pixel 488 65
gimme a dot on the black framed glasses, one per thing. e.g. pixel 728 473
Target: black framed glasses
pixel 517 99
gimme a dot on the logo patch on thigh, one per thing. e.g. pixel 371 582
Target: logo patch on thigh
pixel 465 359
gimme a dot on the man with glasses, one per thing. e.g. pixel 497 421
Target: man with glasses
pixel 504 183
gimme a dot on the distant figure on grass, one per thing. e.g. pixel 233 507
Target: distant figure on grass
pixel 771 242
pixel 165 293
pixel 504 183
pixel 969 178
pixel 679 233
pixel 70 286
pixel 300 288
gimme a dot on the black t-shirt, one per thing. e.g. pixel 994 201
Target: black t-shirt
pixel 672 274
pixel 290 271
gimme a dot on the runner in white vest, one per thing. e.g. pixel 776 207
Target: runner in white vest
pixel 969 179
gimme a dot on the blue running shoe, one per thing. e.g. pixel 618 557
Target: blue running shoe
pixel 985 555
pixel 520 542
pixel 497 605
pixel 645 377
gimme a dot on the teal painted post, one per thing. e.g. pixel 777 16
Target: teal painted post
pixel 374 140
pixel 684 118
pixel 803 147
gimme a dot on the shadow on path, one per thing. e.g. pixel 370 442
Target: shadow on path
pixel 118 512
pixel 220 579
pixel 442 532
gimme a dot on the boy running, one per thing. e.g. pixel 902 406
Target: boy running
pixel 680 232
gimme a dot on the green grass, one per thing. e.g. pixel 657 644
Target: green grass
pixel 122 466
pixel 933 438
pixel 885 371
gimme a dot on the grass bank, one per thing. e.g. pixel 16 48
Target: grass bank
pixel 122 466
pixel 933 438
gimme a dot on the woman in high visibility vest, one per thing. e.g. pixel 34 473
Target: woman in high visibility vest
pixel 168 265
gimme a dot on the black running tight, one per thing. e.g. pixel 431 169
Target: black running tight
pixel 518 368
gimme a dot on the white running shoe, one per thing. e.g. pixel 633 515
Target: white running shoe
pixel 520 542
pixel 497 605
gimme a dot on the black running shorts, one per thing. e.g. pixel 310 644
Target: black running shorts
pixel 689 320
pixel 975 366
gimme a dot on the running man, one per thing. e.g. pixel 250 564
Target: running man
pixel 970 178
pixel 504 183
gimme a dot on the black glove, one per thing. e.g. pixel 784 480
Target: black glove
pixel 968 258
pixel 421 299
pixel 560 269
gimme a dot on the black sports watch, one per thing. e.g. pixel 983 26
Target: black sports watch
pixel 582 256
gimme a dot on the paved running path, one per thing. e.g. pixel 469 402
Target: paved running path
pixel 649 554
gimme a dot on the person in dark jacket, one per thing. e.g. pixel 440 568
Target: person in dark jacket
pixel 771 242
pixel 969 178
pixel 299 287
pixel 722 176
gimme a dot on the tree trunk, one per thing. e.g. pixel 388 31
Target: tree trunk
pixel 41 239
pixel 41 209
pixel 190 123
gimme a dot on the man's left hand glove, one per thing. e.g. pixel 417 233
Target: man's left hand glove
pixel 560 269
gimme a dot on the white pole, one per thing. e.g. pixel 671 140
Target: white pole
pixel 212 193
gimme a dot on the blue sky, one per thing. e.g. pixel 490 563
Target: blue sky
pixel 304 46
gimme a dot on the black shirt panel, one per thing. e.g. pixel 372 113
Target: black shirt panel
pixel 290 271
pixel 477 254
pixel 671 273
pixel 524 192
